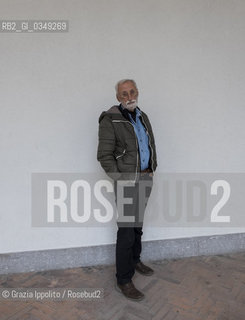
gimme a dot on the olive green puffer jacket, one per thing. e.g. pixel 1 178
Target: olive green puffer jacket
pixel 118 151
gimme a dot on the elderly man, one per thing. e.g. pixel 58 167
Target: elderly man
pixel 127 152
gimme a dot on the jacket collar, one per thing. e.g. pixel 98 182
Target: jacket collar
pixel 125 112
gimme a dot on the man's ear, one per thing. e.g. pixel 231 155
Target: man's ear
pixel 118 98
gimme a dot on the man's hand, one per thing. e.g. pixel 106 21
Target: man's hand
pixel 147 171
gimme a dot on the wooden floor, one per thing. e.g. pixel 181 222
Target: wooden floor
pixel 197 288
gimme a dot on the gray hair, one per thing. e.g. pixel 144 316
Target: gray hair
pixel 123 81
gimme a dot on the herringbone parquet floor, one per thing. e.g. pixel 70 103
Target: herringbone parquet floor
pixel 196 288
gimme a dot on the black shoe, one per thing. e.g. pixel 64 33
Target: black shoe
pixel 129 291
pixel 143 269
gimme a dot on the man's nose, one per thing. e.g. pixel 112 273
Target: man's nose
pixel 130 96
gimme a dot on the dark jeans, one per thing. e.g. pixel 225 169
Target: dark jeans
pixel 128 245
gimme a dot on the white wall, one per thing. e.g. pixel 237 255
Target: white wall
pixel 187 57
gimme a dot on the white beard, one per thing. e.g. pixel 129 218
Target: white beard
pixel 131 105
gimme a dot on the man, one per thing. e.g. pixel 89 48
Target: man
pixel 127 152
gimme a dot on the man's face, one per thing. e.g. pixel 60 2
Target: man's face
pixel 128 95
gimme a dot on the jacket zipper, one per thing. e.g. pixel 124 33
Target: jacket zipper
pixel 120 155
pixel 136 144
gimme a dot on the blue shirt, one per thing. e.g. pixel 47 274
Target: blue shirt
pixel 142 138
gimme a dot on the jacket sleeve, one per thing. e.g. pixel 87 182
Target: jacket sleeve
pixel 106 148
